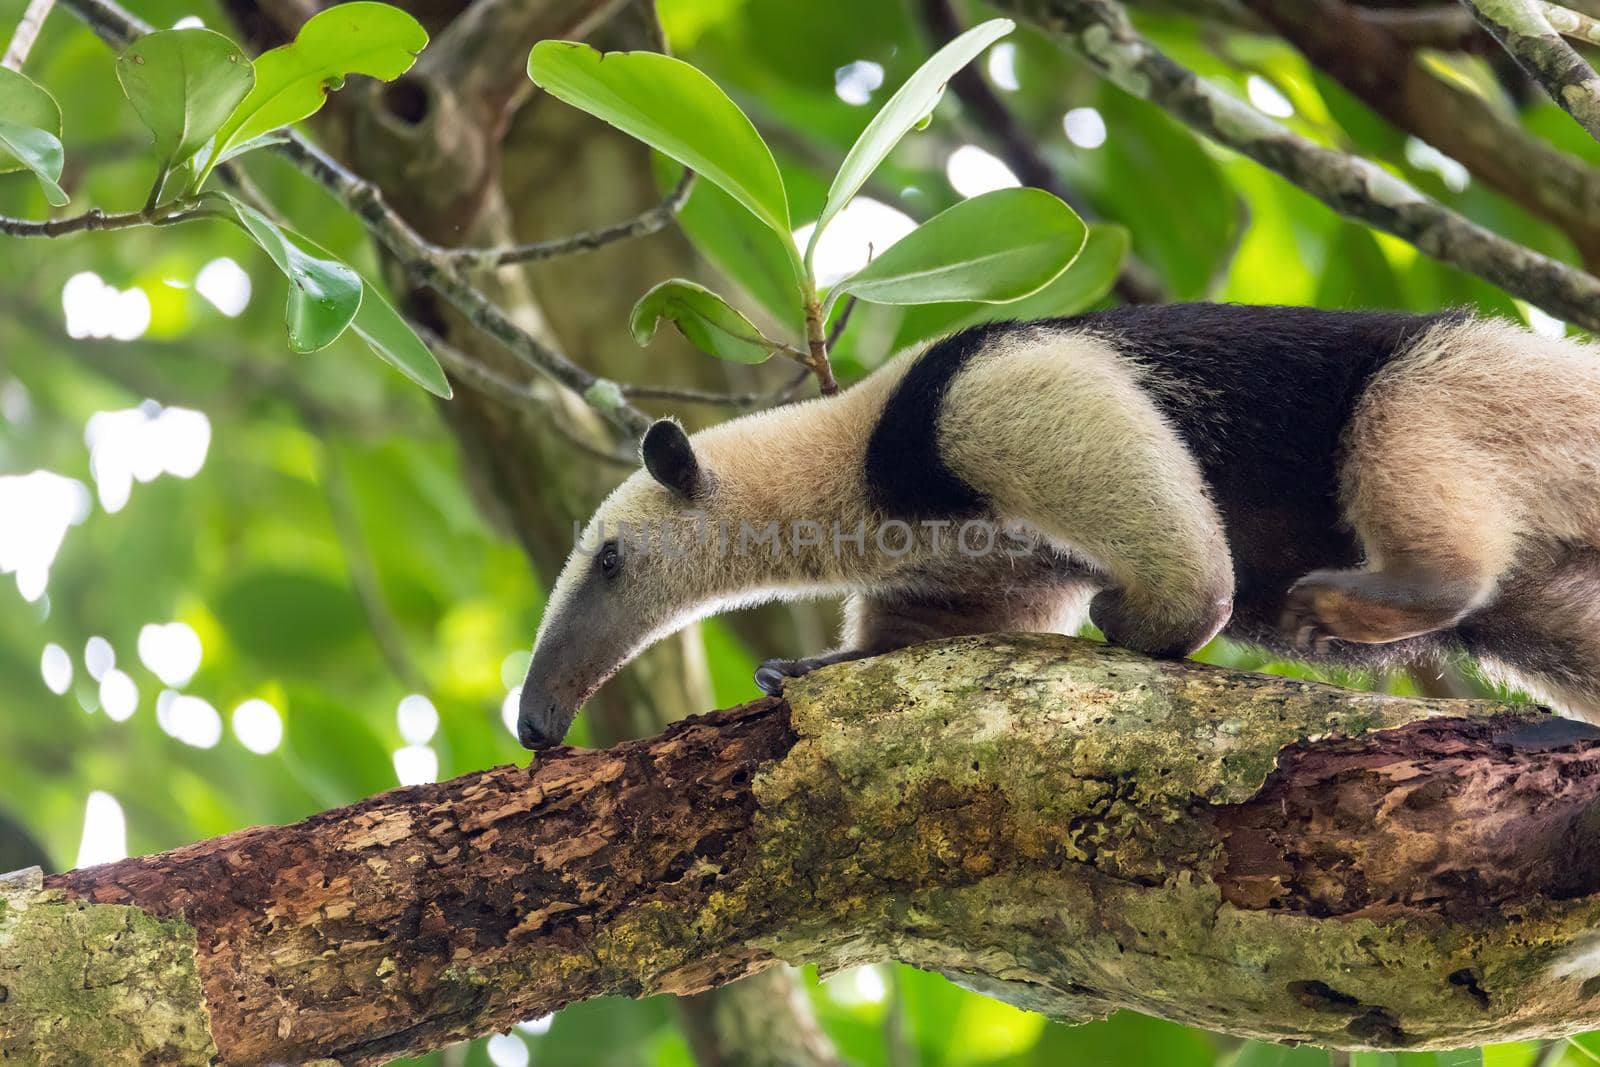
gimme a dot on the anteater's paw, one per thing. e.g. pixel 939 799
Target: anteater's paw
pixel 1311 615
pixel 771 675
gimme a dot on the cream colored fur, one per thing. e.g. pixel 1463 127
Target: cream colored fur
pixel 1080 414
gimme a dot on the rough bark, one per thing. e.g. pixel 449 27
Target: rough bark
pixel 1067 827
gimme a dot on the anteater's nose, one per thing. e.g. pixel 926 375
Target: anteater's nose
pixel 540 722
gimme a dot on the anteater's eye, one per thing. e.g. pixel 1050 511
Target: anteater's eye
pixel 610 559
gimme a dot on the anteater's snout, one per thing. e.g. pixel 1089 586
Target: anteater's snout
pixel 541 721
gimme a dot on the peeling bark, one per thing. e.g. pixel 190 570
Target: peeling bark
pixel 1062 825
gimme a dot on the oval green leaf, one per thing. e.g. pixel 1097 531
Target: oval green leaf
pixel 702 316
pixel 324 294
pixel 992 249
pixel 39 151
pixel 184 84
pixel 390 337
pixel 396 343
pixel 26 103
pixel 1075 289
pixel 911 104
pixel 673 108
pixel 292 81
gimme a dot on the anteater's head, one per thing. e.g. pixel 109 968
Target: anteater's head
pixel 645 566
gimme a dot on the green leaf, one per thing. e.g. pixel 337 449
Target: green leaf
pixel 39 151
pixel 24 102
pixel 993 248
pixel 184 84
pixel 675 109
pixel 747 254
pixel 1076 289
pixel 324 294
pixel 702 316
pixel 393 339
pixel 293 80
pixel 911 105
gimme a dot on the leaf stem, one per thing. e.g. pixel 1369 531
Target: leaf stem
pixel 817 343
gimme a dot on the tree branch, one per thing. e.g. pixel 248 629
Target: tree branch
pixel 652 220
pixel 1531 31
pixel 1379 67
pixel 1354 187
pixel 26 33
pixel 1064 825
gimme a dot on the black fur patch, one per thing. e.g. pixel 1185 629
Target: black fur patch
pixel 907 477
pixel 1263 398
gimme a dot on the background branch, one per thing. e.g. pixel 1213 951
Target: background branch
pixel 1352 186
pixel 1524 28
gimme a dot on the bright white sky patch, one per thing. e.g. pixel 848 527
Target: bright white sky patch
pixel 509 708
pixel 105 831
pixel 417 718
pixel 35 511
pixel 98 657
pixel 973 171
pixel 258 726
pixel 507 1050
pixel 170 652
pixel 95 309
pixel 854 82
pixel 1267 98
pixel 1424 156
pixel 416 765
pixel 141 444
pixel 1543 323
pixel 1084 127
pixel 1003 66
pixel 189 719
pixel 56 668
pixel 119 697
pixel 541 1025
pixel 864 223
pixel 225 284
pixel 16 406
pixel 864 985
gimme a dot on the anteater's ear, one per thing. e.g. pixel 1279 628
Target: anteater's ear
pixel 669 457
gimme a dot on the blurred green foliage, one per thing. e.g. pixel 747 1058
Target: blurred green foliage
pixel 330 554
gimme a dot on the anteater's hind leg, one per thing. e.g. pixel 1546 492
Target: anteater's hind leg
pixel 1431 485
pixel 1542 632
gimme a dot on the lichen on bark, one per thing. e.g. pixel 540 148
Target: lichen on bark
pixel 95 984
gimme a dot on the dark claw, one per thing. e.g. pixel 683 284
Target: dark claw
pixel 770 680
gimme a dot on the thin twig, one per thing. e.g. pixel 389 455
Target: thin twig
pixel 95 219
pixel 26 33
pixel 1531 31
pixel 1354 187
pixel 643 224
pixel 1575 24
pixel 519 396
pixel 841 322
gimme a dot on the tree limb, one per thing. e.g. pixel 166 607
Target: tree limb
pixel 1354 187
pixel 1531 31
pixel 1060 824
pixel 1378 65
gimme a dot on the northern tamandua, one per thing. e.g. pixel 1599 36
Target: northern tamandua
pixel 1350 487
